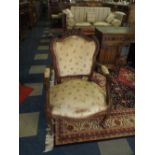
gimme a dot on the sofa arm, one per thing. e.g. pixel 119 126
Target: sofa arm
pixel 119 15
pixel 69 18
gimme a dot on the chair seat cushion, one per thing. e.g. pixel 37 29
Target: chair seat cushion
pixel 77 98
pixel 102 23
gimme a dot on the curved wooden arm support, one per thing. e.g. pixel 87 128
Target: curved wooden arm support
pixel 47 76
pixel 105 72
pixel 47 79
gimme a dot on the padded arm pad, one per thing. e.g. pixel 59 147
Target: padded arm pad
pixel 47 72
pixel 104 70
pixel 119 13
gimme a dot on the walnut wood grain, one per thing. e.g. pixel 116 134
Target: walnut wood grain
pixel 111 45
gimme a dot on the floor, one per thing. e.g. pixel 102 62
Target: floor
pixel 34 57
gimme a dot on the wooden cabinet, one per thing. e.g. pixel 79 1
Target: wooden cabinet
pixel 131 17
pixel 112 40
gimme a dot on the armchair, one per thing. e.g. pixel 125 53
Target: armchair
pixel 73 94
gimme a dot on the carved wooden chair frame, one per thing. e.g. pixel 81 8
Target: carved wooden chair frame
pixel 51 118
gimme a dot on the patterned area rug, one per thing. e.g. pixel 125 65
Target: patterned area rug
pixel 120 123
pixel 122 94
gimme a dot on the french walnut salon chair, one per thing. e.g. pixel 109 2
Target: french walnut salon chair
pixel 70 93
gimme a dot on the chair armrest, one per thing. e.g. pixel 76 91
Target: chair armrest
pixel 103 69
pixel 49 77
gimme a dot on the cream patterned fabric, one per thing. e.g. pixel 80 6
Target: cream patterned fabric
pixel 77 99
pixel 74 56
pixel 104 69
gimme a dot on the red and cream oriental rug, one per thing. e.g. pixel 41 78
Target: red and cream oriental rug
pixel 120 123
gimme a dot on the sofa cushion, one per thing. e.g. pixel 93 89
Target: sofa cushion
pixel 68 13
pixel 102 23
pixel 119 15
pixel 116 22
pixel 83 24
pixel 77 99
pixel 110 18
pixel 91 16
pixel 102 13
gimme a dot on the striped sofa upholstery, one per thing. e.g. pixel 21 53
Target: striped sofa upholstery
pixel 88 16
pixel 80 13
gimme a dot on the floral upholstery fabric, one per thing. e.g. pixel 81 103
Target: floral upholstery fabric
pixel 74 56
pixel 77 99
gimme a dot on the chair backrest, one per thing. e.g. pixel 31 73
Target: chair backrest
pixel 73 55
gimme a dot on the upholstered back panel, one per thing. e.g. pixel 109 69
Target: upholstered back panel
pixel 74 55
pixel 80 13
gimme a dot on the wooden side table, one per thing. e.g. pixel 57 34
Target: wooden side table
pixel 112 40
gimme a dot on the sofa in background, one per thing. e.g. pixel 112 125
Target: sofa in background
pixel 79 16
